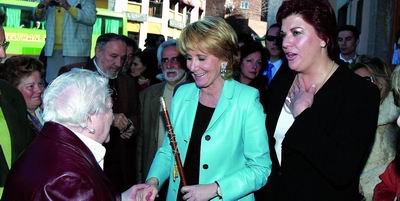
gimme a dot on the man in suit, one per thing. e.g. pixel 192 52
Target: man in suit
pixel 348 38
pixel 273 43
pixel 110 56
pixel 15 133
pixel 152 128
pixel 69 27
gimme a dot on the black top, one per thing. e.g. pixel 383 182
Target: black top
pixel 192 162
pixel 327 145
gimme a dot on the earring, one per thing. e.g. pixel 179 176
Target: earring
pixel 323 44
pixel 223 69
pixel 92 131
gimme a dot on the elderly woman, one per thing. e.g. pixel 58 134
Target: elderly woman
pixel 25 74
pixel 218 123
pixel 65 160
pixel 321 116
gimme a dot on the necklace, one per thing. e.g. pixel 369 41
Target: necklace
pixel 327 75
pixel 288 100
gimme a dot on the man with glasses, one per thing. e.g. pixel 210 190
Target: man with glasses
pixel 152 128
pixel 273 42
pixel 3 43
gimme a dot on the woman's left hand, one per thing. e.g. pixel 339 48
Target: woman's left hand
pixel 199 192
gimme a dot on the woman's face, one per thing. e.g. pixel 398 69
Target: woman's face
pixel 137 67
pixel 204 67
pixel 251 66
pixel 301 43
pixel 101 122
pixel 31 88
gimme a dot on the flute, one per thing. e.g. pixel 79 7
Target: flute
pixel 172 139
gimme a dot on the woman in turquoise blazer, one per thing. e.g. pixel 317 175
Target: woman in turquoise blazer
pixel 230 158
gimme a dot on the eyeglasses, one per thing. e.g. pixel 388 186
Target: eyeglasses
pixel 5 44
pixel 370 79
pixel 273 38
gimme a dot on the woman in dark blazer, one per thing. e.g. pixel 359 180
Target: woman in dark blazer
pixel 321 118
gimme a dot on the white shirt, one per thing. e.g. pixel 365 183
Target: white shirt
pixel 285 121
pixel 97 149
pixel 351 60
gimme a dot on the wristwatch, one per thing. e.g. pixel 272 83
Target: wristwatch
pixel 219 194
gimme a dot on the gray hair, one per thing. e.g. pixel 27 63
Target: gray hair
pixel 74 96
pixel 161 48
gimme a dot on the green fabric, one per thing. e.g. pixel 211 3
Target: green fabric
pixel 13 17
pixel 112 26
pixel 97 26
pixel 5 140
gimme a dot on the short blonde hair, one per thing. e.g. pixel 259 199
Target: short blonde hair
pixel 212 35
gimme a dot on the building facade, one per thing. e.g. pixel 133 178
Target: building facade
pixel 138 19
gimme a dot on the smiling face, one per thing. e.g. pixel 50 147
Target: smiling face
pixel 31 88
pixel 250 67
pixel 112 57
pixel 205 68
pixel 301 43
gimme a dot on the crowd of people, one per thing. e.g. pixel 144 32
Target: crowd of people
pixel 303 117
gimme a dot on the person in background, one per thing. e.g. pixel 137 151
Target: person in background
pixel 388 189
pixel 217 121
pixel 348 38
pixel 273 43
pixel 141 71
pixel 321 117
pixel 119 161
pixel 65 161
pixel 3 42
pixel 152 125
pixel 69 27
pixel 374 70
pixel 252 62
pixel 14 125
pixel 25 73
pixel 110 57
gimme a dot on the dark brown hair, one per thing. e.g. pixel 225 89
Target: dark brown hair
pixel 319 14
pixel 18 67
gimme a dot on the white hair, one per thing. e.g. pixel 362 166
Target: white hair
pixel 74 96
pixel 161 48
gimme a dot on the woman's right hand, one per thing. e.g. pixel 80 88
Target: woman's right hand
pixel 300 97
pixel 153 182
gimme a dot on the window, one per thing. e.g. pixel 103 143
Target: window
pixel 244 4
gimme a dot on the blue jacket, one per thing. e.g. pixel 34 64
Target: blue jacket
pixel 236 150
pixel 77 33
